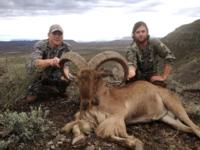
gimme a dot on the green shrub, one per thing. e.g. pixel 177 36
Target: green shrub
pixel 24 127
pixel 4 144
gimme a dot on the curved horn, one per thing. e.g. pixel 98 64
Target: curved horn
pixel 103 57
pixel 75 58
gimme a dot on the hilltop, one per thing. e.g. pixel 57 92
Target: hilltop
pixel 185 43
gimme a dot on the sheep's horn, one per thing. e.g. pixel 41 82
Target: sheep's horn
pixel 103 57
pixel 75 58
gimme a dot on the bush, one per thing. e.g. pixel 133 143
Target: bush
pixel 4 144
pixel 24 127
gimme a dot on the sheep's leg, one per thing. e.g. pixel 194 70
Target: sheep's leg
pixel 176 123
pixel 173 104
pixel 68 127
pixel 129 141
pixel 78 135
pixel 114 128
pixel 74 126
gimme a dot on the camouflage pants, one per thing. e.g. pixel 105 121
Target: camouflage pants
pixel 47 86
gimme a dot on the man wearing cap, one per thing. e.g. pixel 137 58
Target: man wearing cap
pixel 44 67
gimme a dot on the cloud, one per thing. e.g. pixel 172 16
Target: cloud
pixel 191 12
pixel 9 8
pixel 148 7
pixel 43 7
pixel 87 20
pixel 56 7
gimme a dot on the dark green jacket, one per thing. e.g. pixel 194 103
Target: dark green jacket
pixel 145 60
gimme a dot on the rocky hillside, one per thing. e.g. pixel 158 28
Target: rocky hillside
pixel 185 40
pixel 185 43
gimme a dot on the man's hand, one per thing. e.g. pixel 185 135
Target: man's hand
pixel 43 63
pixel 54 61
pixel 131 72
pixel 156 78
pixel 166 72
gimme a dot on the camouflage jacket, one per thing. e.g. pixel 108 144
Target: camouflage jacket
pixel 43 51
pixel 146 59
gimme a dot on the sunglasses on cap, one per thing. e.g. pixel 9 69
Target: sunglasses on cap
pixel 57 33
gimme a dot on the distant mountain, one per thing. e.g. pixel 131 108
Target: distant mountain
pixel 22 46
pixel 71 42
pixel 128 38
pixel 27 46
pixel 16 46
pixel 117 45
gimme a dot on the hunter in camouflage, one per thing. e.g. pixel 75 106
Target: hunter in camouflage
pixel 143 56
pixel 44 66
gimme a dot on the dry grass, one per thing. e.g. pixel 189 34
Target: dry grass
pixel 13 79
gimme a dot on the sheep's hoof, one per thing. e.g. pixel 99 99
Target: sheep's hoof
pixel 78 139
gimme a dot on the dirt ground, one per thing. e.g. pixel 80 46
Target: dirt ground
pixel 154 135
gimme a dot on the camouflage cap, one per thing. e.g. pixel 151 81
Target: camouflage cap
pixel 54 28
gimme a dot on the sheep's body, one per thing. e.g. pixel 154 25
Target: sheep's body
pixel 107 110
pixel 135 103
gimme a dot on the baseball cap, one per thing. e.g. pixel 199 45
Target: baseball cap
pixel 54 28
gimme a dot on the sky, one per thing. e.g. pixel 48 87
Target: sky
pixel 93 20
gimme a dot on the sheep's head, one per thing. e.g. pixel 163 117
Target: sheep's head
pixel 89 81
pixel 90 76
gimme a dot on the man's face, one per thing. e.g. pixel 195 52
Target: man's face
pixel 55 38
pixel 141 34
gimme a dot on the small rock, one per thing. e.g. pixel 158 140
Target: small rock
pixel 46 113
pixel 68 140
pixel 5 132
pixel 52 147
pixel 91 147
pixel 59 137
pixel 60 143
pixel 55 133
pixel 50 143
pixel 108 144
pixel 96 143
pixel 63 139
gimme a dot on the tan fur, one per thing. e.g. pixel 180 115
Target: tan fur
pixel 138 102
